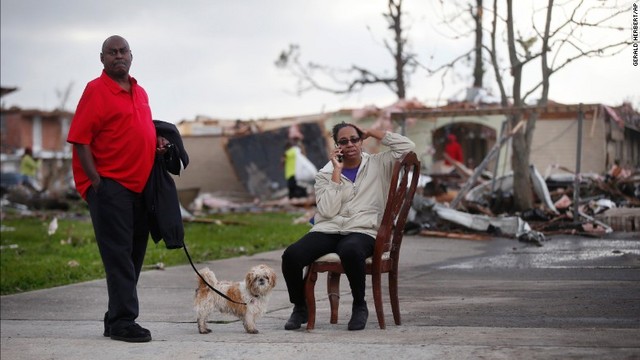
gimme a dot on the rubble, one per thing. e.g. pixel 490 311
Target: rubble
pixel 509 225
pixel 603 200
pixel 621 219
pixel 482 194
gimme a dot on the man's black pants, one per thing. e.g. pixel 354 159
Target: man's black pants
pixel 121 228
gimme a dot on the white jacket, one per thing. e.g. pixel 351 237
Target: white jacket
pixel 358 207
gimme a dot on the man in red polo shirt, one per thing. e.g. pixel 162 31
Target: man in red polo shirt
pixel 114 145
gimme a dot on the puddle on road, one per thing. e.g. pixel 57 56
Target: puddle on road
pixel 560 254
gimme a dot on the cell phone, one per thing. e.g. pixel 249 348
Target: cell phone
pixel 339 158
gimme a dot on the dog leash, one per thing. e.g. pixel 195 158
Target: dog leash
pixel 175 153
pixel 205 281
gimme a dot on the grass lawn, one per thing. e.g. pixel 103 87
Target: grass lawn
pixel 32 259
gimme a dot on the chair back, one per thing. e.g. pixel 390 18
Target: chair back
pixel 404 181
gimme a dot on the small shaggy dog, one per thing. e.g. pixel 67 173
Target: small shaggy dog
pixel 254 291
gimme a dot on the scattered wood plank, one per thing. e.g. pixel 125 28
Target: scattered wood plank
pixel 452 235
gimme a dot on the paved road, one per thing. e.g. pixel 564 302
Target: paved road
pixel 573 298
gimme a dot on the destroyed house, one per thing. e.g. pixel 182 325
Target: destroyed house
pixel 605 136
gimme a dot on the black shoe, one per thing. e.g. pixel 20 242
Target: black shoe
pixel 298 317
pixel 359 316
pixel 131 333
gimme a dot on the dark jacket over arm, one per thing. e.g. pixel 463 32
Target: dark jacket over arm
pixel 161 196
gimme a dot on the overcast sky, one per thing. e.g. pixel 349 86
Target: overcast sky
pixel 216 57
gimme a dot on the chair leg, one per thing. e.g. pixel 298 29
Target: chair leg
pixel 333 292
pixel 393 295
pixel 310 297
pixel 376 282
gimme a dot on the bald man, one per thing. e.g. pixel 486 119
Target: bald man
pixel 114 145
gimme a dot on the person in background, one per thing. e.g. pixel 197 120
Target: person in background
pixel 291 154
pixel 114 146
pixel 350 197
pixel 29 168
pixel 453 149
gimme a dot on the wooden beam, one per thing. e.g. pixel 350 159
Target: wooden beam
pixel 424 114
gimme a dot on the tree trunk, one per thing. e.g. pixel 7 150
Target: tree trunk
pixel 522 192
pixel 504 101
pixel 478 70
pixel 522 188
pixel 395 13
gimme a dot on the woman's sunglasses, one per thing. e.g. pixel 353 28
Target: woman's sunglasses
pixel 345 142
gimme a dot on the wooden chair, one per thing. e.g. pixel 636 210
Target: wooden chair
pixel 386 254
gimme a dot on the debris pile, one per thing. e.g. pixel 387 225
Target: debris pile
pixel 604 203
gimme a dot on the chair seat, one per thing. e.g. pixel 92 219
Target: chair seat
pixel 334 258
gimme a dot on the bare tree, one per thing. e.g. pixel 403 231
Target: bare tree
pixel 455 24
pixel 561 42
pixel 478 68
pixel 355 78
pixel 554 41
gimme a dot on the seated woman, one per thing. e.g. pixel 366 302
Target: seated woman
pixel 350 197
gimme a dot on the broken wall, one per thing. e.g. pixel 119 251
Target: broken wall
pixel 257 158
pixel 555 141
pixel 209 169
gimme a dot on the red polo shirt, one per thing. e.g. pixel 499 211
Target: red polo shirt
pixel 119 128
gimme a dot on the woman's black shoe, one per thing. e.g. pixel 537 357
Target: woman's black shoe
pixel 298 317
pixel 359 316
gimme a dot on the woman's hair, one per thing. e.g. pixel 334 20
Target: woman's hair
pixel 338 127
